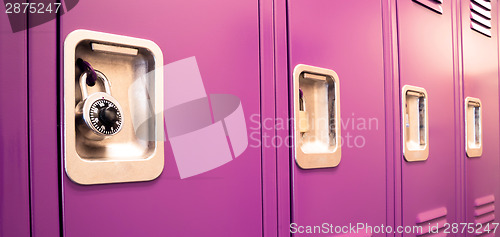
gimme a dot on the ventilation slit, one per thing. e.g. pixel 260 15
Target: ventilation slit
pixel 480 15
pixel 432 219
pixel 434 5
pixel 484 214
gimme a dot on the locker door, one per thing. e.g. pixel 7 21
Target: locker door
pixel 225 201
pixel 480 80
pixel 344 37
pixel 14 154
pixel 43 114
pixel 426 61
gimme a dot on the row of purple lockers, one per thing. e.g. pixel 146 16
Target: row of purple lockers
pixel 249 49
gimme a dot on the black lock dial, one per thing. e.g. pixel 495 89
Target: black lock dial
pixel 105 117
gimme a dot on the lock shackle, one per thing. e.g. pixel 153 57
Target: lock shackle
pixel 83 83
pixel 85 66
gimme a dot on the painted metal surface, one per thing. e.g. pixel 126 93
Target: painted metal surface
pixel 268 112
pixel 392 115
pixel 283 161
pixel 225 201
pixel 14 145
pixel 347 38
pixel 480 80
pixel 230 200
pixel 44 129
pixel 426 60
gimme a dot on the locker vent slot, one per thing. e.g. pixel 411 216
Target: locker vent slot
pixel 434 5
pixel 480 15
pixel 484 211
pixel 431 219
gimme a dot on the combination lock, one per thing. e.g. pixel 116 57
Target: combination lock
pixel 98 116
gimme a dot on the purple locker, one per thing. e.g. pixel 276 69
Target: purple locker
pixel 226 201
pixel 14 145
pixel 346 38
pixel 479 21
pixel 427 184
pixel 44 169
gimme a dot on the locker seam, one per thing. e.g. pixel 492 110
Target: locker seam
pixel 28 127
pixel 388 66
pixel 290 151
pixel 398 163
pixel 456 24
pixel 261 115
pixel 280 41
pixel 59 122
pixel 461 78
pixel 273 24
pixel 266 64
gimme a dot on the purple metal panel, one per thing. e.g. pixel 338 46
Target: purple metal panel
pixel 346 38
pixel 14 172
pixel 44 157
pixel 392 111
pixel 226 201
pixel 426 60
pixel 268 113
pixel 282 114
pixel 459 113
pixel 480 80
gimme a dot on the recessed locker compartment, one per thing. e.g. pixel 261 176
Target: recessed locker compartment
pixel 473 127
pixel 426 79
pixel 480 105
pixel 317 116
pixel 416 123
pixel 337 99
pixel 105 73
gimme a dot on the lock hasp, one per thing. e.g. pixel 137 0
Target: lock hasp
pixel 134 69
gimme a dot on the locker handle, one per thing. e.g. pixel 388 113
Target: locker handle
pixel 316 117
pixel 415 123
pixel 473 127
